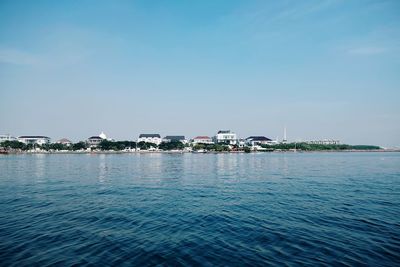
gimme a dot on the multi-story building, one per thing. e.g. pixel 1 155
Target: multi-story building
pixel 226 136
pixel 95 140
pixel 150 138
pixel 34 139
pixel 202 140
pixel 7 137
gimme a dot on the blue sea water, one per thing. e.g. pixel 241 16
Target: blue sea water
pixel 200 209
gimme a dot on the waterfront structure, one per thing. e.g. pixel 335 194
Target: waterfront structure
pixel 34 139
pixel 241 143
pixel 226 136
pixel 323 142
pixel 64 141
pixel 150 138
pixel 259 140
pixel 175 138
pixel 7 137
pixel 202 140
pixel 95 140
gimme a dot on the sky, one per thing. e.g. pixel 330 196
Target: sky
pixel 327 69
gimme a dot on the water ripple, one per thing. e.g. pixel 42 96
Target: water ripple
pixel 200 210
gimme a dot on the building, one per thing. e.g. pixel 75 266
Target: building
pixel 95 140
pixel 7 137
pixel 175 138
pixel 226 136
pixel 202 140
pixel 323 142
pixel 241 143
pixel 259 140
pixel 34 139
pixel 150 138
pixel 64 141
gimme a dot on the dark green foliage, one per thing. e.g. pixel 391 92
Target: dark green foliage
pixel 53 146
pixel 365 147
pixel 144 145
pixel 13 145
pixel 173 145
pixel 79 146
pixel 212 147
pixel 116 145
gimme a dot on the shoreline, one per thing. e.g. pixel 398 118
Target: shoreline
pixel 192 152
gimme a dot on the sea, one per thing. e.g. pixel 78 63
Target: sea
pixel 160 209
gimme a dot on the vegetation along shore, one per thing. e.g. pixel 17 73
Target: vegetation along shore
pixel 107 146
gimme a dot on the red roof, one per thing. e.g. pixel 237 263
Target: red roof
pixel 202 137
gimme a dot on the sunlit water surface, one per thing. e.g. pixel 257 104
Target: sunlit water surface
pixel 195 209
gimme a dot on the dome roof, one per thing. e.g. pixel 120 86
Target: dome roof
pixel 103 135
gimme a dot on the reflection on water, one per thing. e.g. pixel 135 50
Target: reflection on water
pixel 102 168
pixel 39 162
pixel 200 209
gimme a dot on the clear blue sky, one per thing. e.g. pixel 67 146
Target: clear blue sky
pixel 325 69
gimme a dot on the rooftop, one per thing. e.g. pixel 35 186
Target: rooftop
pixel 224 131
pixel 95 138
pixel 33 137
pixel 149 135
pixel 202 137
pixel 175 137
pixel 258 138
pixel 64 140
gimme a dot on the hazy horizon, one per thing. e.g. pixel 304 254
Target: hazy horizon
pixel 324 69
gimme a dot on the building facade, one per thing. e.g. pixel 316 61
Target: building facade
pixel 259 140
pixel 7 137
pixel 95 140
pixel 202 140
pixel 150 138
pixel 34 139
pixel 226 136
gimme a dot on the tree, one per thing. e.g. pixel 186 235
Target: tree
pixel 13 145
pixel 144 145
pixel 173 145
pixel 79 146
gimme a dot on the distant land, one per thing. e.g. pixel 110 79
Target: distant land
pixel 106 146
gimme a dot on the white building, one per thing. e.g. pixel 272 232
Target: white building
pixel 95 140
pixel 7 137
pixel 175 138
pixel 150 138
pixel 323 142
pixel 34 139
pixel 202 140
pixel 227 137
pixel 259 140
pixel 241 142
